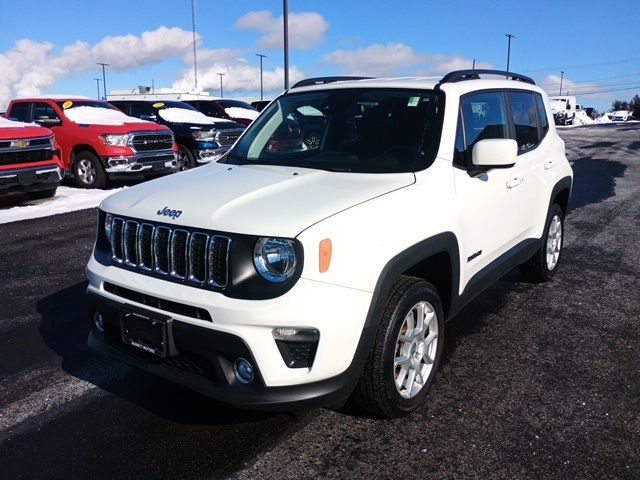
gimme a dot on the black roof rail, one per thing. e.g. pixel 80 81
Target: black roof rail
pixel 322 80
pixel 461 75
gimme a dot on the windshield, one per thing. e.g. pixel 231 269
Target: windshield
pixel 171 104
pixel 234 103
pixel 64 104
pixel 348 130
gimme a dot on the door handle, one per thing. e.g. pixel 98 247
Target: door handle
pixel 549 164
pixel 514 182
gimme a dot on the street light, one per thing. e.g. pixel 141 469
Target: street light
pixel 285 16
pixel 509 36
pixel 221 75
pixel 98 86
pixel 261 57
pixel 104 80
pixel 193 31
pixel 561 78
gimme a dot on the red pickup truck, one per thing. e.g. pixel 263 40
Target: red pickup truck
pixel 29 161
pixel 98 142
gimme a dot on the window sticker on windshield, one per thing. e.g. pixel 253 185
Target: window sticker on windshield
pixel 158 105
pixel 413 101
pixel 67 104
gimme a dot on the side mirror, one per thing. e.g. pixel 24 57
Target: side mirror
pixel 48 122
pixel 148 118
pixel 495 153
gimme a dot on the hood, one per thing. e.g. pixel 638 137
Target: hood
pixel 252 199
pixel 10 130
pixel 558 106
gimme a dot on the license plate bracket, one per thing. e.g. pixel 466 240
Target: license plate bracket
pixel 149 333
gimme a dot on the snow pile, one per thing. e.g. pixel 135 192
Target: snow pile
pixel 604 118
pixel 239 112
pixel 182 115
pixel 99 116
pixel 583 119
pixel 6 123
pixel 67 199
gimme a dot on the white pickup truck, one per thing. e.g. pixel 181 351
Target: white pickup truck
pixel 563 109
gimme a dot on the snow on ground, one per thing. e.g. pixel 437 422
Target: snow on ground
pixel 67 199
pixel 238 112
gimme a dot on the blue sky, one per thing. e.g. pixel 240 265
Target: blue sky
pixel 52 46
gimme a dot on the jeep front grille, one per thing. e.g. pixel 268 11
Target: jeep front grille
pixel 181 255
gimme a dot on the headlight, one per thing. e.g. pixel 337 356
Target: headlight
pixel 52 142
pixel 114 140
pixel 108 220
pixel 204 135
pixel 275 259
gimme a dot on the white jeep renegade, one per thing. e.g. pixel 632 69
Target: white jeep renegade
pixel 321 257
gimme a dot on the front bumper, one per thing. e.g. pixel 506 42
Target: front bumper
pixel 31 179
pixel 242 328
pixel 206 156
pixel 141 164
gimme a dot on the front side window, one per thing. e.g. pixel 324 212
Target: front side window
pixel 524 118
pixel 350 130
pixel 44 111
pixel 484 117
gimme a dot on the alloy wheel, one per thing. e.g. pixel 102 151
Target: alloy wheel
pixel 554 242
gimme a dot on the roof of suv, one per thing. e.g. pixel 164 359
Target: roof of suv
pixel 467 79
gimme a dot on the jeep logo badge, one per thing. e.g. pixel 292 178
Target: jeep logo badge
pixel 167 212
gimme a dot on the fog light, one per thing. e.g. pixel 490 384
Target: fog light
pixel 297 346
pixel 99 322
pixel 243 370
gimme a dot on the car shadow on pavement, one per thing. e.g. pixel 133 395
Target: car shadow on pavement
pixel 594 180
pixel 65 328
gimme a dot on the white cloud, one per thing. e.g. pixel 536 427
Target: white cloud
pixel 31 67
pixel 239 76
pixel 396 59
pixel 306 29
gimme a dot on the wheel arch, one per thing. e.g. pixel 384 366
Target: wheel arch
pixel 81 147
pixel 561 194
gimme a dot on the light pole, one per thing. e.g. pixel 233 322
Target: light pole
pixel 104 79
pixel 221 75
pixel 509 36
pixel 193 31
pixel 261 57
pixel 98 86
pixel 285 16
pixel 561 78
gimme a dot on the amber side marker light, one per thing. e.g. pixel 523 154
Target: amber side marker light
pixel 325 254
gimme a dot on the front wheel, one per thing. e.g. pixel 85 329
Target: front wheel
pixel 544 263
pixel 407 350
pixel 185 159
pixel 88 171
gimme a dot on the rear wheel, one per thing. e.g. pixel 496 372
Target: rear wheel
pixel 544 263
pixel 407 350
pixel 88 171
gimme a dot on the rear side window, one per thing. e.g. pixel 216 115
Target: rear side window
pixel 542 114
pixel 20 112
pixel 524 118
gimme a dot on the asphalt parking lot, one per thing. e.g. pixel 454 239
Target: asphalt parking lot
pixel 538 380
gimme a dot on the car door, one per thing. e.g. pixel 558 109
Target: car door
pixel 43 112
pixel 488 201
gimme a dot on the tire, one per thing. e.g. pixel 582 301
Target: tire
pixel 185 159
pixel 377 390
pixel 50 192
pixel 88 172
pixel 543 265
